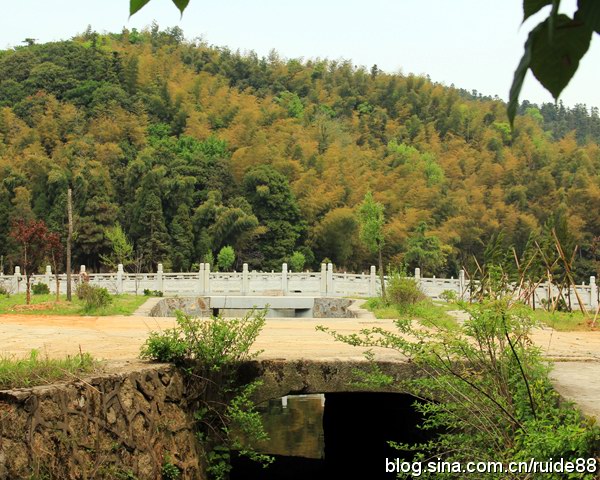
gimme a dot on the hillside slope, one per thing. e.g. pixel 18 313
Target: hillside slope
pixel 192 147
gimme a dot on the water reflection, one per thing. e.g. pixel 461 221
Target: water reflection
pixel 294 425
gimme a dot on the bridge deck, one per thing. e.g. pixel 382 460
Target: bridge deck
pixel 119 338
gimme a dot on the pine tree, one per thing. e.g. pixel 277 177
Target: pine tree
pixel 182 236
pixel 276 208
pixel 149 229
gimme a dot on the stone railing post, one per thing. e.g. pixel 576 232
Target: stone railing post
pixel 201 279
pixel 461 282
pixel 17 279
pixel 48 276
pixel 120 272
pixel 207 278
pixel 323 287
pixel 373 281
pixel 245 279
pixel 284 278
pixel 593 294
pixel 330 279
pixel 417 273
pixel 159 278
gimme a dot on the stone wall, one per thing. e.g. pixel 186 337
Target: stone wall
pixel 196 306
pixel 115 426
pixel 319 307
pixel 128 424
pixel 333 308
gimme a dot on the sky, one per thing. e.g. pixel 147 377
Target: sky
pixel 473 44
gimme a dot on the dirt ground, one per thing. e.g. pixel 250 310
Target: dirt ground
pixel 120 337
pixel 576 354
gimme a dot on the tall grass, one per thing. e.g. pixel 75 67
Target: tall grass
pixel 39 370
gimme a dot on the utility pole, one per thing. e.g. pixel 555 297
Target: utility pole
pixel 69 239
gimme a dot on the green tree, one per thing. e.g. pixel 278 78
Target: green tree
pixel 149 229
pixel 182 235
pixel 335 236
pixel 97 214
pixel 121 249
pixel 217 224
pixel 226 258
pixel 22 204
pixel 371 214
pixel 297 261
pixel 292 104
pixel 275 206
pixel 552 51
pixel 424 251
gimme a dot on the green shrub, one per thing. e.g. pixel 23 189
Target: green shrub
pixel 40 289
pixel 170 471
pixel 209 258
pixel 4 292
pixel 449 296
pixel 214 343
pixel 402 290
pixel 297 261
pixel 93 297
pixel 226 258
pixel 210 353
pixel 489 397
pixel 152 293
pixel 165 346
pixel 83 291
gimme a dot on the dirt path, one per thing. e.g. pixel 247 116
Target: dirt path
pixel 119 338
pixel 577 354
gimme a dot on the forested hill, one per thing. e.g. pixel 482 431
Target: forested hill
pixel 191 148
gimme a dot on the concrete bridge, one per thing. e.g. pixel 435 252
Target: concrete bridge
pixel 325 283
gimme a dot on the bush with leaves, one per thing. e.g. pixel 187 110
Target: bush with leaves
pixel 226 258
pixel 449 296
pixel 484 390
pixel 152 293
pixel 210 352
pixel 40 289
pixel 170 471
pixel 94 298
pixel 403 290
pixel 297 261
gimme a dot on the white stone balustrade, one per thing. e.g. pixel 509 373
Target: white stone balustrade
pixel 322 283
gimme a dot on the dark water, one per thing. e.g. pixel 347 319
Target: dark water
pixel 295 426
pixel 337 435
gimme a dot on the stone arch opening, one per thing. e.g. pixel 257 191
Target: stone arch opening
pixel 357 427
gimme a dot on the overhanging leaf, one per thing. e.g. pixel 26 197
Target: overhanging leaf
pixel 533 6
pixel 552 19
pixel 136 5
pixel 555 62
pixel 519 78
pixel 181 4
pixel 589 12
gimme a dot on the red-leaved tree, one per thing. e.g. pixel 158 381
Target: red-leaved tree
pixel 32 238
